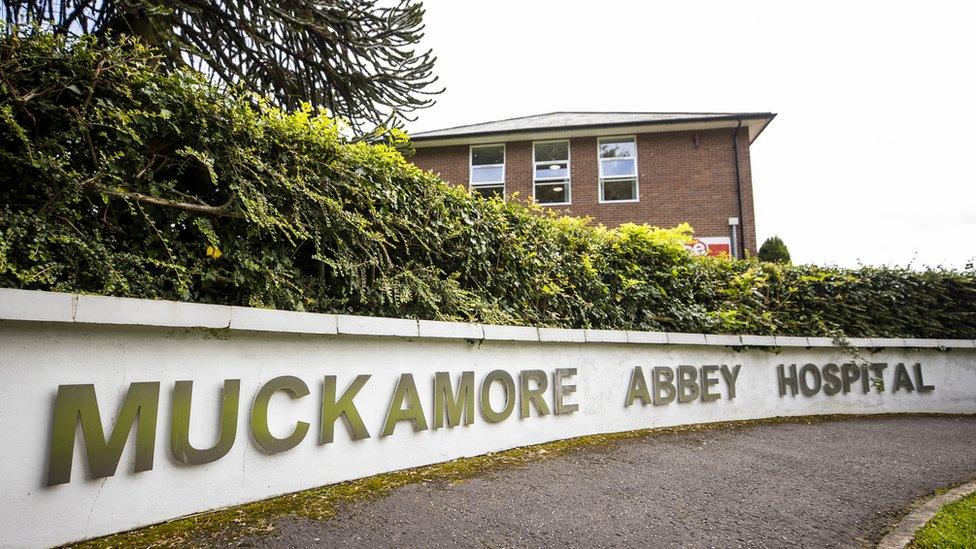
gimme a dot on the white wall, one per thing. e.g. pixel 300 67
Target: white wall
pixel 47 340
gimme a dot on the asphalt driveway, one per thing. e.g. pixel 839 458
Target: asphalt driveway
pixel 825 484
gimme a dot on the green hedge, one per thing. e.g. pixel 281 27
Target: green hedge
pixel 120 179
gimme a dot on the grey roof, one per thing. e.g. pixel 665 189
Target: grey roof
pixel 564 120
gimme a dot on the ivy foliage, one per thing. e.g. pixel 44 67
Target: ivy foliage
pixel 120 178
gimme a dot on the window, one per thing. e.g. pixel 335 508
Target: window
pixel 618 170
pixel 550 172
pixel 488 170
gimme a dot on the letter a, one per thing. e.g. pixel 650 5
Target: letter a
pixel 638 388
pixel 406 390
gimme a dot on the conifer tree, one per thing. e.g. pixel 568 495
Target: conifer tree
pixel 774 250
pixel 357 58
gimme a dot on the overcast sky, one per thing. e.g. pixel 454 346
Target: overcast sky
pixel 872 156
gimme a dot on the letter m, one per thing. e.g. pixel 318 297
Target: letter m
pixel 456 405
pixel 76 404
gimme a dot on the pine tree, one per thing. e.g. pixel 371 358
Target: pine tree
pixel 774 250
pixel 354 57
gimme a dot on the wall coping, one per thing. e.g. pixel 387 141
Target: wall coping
pixel 40 306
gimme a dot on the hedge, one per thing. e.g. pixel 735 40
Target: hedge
pixel 122 179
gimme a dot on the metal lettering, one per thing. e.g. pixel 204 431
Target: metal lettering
pixel 787 381
pixel 489 413
pixel 849 374
pixel 533 396
pixel 179 439
pixel 831 379
pixel 561 391
pixel 688 389
pixel 637 388
pixel 667 384
pixel 295 388
pixel 805 388
pixel 77 404
pixel 902 379
pixel 344 408
pixel 456 404
pixel 730 378
pixel 877 370
pixel 919 384
pixel 707 381
pixel 406 390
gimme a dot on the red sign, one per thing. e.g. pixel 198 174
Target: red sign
pixel 711 245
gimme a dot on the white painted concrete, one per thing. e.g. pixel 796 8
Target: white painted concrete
pixel 46 341
pixel 266 320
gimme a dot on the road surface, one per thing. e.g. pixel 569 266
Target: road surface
pixel 825 484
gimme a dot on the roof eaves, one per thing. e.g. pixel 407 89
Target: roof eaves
pixel 772 115
pixel 488 122
pixel 730 117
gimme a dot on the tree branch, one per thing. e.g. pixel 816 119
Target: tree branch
pixel 224 210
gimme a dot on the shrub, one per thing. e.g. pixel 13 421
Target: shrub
pixel 774 250
pixel 121 179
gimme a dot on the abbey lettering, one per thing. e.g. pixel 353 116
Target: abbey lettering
pixel 683 384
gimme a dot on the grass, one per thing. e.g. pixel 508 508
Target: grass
pixel 953 526
pixel 226 526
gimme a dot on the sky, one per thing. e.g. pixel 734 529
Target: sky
pixel 871 158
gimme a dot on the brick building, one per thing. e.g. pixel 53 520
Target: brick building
pixel 657 168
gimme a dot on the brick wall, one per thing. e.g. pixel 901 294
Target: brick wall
pixel 678 180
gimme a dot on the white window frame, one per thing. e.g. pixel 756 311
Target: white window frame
pixel 569 173
pixel 471 184
pixel 636 177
